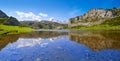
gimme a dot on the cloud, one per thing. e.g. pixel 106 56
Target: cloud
pixel 43 15
pixel 76 12
pixel 30 15
pixel 51 18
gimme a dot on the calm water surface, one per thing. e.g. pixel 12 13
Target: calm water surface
pixel 61 46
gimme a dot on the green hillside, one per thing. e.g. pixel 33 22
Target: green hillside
pixel 10 25
pixel 13 29
pixel 44 24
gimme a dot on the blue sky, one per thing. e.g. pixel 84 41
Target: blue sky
pixel 48 9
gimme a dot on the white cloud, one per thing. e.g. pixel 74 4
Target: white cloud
pixel 59 21
pixel 43 15
pixel 23 14
pixel 30 15
pixel 51 18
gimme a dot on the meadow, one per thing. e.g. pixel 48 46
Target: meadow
pixel 13 29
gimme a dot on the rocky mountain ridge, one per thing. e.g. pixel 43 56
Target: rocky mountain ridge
pixel 94 17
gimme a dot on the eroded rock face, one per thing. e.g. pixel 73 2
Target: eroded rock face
pixel 99 13
pixel 93 17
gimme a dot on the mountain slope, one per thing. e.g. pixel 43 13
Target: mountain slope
pixel 43 24
pixel 6 20
pixel 10 25
pixel 97 17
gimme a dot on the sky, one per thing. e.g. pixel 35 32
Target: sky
pixel 60 10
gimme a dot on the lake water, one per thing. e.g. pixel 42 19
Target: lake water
pixel 61 46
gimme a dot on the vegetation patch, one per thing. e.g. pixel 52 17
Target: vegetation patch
pixel 4 29
pixel 97 27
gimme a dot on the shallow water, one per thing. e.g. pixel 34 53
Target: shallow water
pixel 61 46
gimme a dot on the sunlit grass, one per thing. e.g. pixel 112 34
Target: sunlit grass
pixel 97 27
pixel 5 28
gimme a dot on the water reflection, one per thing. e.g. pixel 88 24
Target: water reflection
pixel 42 34
pixel 61 46
pixel 98 40
pixel 6 39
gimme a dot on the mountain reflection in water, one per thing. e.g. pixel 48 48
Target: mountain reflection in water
pixel 61 46
pixel 97 40
pixel 6 39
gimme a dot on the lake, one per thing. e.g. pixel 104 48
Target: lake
pixel 61 45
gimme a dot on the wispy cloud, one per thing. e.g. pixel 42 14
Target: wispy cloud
pixel 72 13
pixel 53 19
pixel 76 12
pixel 43 14
pixel 31 15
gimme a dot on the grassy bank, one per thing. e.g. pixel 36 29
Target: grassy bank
pixel 13 29
pixel 97 27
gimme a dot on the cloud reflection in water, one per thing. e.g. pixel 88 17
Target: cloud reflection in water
pixel 23 42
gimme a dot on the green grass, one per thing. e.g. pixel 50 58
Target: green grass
pixel 2 32
pixel 97 27
pixel 5 28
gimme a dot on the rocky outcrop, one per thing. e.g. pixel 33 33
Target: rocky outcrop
pixel 98 13
pixel 94 17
